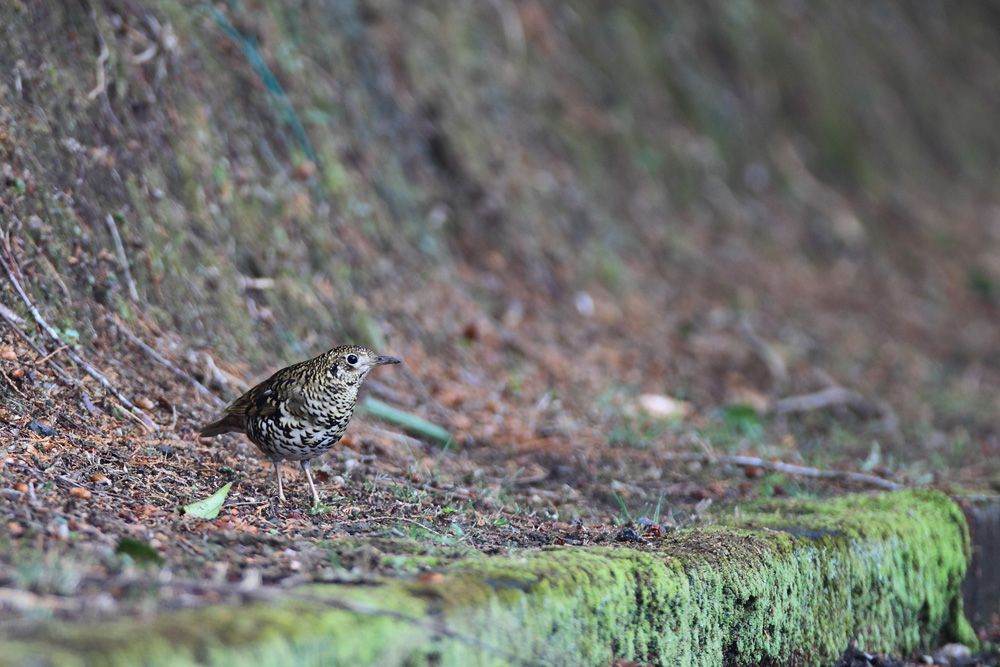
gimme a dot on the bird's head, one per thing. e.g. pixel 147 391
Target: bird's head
pixel 351 363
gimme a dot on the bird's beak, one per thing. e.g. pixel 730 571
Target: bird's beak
pixel 381 361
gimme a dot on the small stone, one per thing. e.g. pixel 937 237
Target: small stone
pixel 628 535
pixel 584 304
pixel 164 449
pixel 953 654
pixel 664 407
pixel 41 428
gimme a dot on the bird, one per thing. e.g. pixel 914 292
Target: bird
pixel 303 410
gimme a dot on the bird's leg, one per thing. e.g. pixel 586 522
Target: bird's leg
pixel 305 469
pixel 277 473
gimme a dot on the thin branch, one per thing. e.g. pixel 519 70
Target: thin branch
pixel 101 89
pixel 789 468
pixel 55 274
pixel 54 335
pixel 775 364
pixel 102 60
pixel 9 315
pixel 415 523
pixel 41 475
pixel 131 415
pixel 52 354
pixel 531 479
pixel 173 419
pixel 163 360
pixel 6 314
pixel 976 498
pixel 122 258
pixel 839 396
pixel 12 385
pixel 820 399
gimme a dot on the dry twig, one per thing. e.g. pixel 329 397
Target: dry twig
pixel 54 335
pixel 838 396
pixel 6 315
pixel 122 258
pixel 41 475
pixel 51 354
pixel 788 468
pixel 415 523
pixel 163 360
pixel 10 315
pixel 775 364
pixel 12 385
pixel 54 272
pixel 102 60
pixel 820 399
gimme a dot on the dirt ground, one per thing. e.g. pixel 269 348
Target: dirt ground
pixel 93 497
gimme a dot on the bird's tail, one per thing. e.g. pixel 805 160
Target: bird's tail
pixel 228 424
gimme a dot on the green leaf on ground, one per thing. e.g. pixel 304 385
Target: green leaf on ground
pixel 209 507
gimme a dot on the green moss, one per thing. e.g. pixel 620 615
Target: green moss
pixel 786 582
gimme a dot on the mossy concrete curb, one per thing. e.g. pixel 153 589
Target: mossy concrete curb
pixel 789 583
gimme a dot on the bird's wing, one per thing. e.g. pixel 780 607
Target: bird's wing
pixel 264 399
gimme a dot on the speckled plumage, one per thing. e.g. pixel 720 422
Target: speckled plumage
pixel 301 411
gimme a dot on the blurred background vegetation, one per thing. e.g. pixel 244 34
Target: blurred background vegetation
pixel 584 200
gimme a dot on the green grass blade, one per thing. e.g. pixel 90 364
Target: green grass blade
pixel 410 422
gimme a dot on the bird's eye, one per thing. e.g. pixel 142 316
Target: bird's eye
pixel 352 359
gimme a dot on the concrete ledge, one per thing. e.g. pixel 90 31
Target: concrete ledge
pixel 790 583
